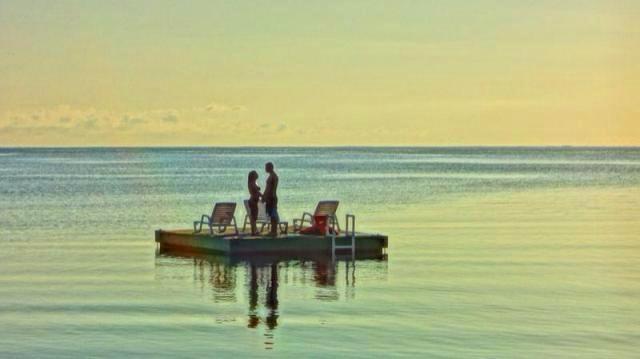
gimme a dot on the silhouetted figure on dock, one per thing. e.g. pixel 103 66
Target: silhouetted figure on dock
pixel 270 197
pixel 254 197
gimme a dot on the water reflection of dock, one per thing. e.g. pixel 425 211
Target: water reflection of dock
pixel 264 277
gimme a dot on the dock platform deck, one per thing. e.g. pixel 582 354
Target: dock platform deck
pixel 244 243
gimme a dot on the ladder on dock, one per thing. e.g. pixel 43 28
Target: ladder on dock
pixel 350 219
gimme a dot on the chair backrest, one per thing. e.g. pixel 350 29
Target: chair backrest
pixel 262 210
pixel 326 208
pixel 223 212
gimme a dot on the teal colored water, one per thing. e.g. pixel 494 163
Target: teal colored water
pixel 494 253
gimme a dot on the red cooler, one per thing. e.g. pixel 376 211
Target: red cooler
pixel 320 223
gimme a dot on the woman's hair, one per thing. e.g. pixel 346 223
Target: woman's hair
pixel 253 176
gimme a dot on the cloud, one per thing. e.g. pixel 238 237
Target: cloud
pixel 217 107
pixel 49 119
pixel 170 118
pixel 128 122
pixel 33 130
pixel 271 128
pixel 89 123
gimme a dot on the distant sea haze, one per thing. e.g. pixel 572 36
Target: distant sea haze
pixel 493 252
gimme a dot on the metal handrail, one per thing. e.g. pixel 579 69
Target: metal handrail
pixel 352 236
pixel 353 225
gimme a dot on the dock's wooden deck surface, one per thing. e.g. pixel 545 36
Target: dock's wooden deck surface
pixel 228 242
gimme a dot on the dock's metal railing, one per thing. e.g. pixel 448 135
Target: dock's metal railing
pixel 350 219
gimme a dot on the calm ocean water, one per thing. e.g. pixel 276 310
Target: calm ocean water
pixel 494 253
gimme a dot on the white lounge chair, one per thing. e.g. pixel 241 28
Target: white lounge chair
pixel 262 220
pixel 326 208
pixel 222 217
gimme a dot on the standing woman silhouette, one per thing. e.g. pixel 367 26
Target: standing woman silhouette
pixel 254 197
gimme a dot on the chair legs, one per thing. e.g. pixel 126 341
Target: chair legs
pixel 246 221
pixel 197 225
pixel 235 225
pixel 334 219
pixel 286 227
pixel 222 228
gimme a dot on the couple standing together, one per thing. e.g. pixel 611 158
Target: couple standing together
pixel 269 197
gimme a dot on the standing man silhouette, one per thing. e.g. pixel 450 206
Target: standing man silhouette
pixel 270 197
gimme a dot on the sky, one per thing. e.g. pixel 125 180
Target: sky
pixel 259 73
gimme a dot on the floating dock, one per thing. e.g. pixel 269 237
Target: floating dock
pixel 244 243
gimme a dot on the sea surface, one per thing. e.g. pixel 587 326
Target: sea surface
pixel 493 253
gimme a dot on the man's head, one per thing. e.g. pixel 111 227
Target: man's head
pixel 268 167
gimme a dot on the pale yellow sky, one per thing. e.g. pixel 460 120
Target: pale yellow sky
pixel 319 73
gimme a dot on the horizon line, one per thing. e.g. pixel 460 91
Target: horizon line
pixel 315 146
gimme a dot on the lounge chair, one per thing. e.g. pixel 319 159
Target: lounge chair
pixel 222 217
pixel 262 220
pixel 326 208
